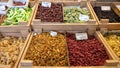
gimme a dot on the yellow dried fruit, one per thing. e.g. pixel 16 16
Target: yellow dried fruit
pixel 114 41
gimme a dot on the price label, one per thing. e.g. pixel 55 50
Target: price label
pixel 118 6
pixel 35 34
pixel 105 8
pixel 2 7
pixel 46 4
pixel 3 12
pixel 3 3
pixel 26 63
pixel 81 36
pixel 53 33
pixel 83 17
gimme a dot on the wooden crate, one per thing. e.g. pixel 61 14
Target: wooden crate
pixel 112 62
pixel 114 55
pixel 104 23
pixel 21 52
pixel 37 24
pixel 22 27
pixel 24 54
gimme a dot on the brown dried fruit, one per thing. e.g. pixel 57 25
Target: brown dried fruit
pixel 52 14
pixel 46 50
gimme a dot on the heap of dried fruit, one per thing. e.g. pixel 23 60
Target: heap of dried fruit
pixel 111 15
pixel 114 41
pixel 10 47
pixel 16 15
pixel 86 52
pixel 71 15
pixel 46 50
pixel 52 14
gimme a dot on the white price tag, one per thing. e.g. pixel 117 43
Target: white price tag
pixel 105 8
pixel 3 12
pixel 3 3
pixel 83 17
pixel 81 36
pixel 53 33
pixel 46 4
pixel 118 6
pixel 2 7
pixel 35 33
pixel 26 63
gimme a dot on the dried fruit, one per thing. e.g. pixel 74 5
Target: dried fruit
pixel 46 50
pixel 71 14
pixel 16 15
pixel 87 52
pixel 114 41
pixel 52 14
pixel 10 47
pixel 111 15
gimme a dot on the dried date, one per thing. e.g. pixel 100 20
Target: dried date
pixel 52 14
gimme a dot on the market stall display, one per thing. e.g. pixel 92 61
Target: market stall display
pixel 59 50
pixel 63 25
pixel 62 11
pixel 59 34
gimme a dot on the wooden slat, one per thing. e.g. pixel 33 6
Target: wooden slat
pixel 114 6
